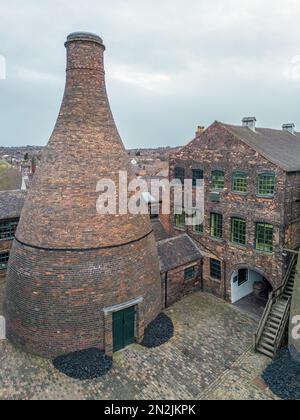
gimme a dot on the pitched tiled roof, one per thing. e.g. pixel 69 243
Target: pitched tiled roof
pixel 177 251
pixel 11 203
pixel 278 146
pixel 159 231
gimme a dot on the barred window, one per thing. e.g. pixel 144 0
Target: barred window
pixel 8 229
pixel 240 183
pixel 266 185
pixel 180 220
pixel 264 237
pixel 238 231
pixel 189 273
pixel 218 180
pixel 180 174
pixel 216 225
pixel 4 257
pixel 198 174
pixel 215 269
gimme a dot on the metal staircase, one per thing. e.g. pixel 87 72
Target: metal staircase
pixel 274 322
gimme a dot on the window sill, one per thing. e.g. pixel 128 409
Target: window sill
pixel 215 280
pixel 7 239
pixel 221 240
pixel 259 251
pixel 243 194
pixel 240 246
pixel 266 197
pixel 179 229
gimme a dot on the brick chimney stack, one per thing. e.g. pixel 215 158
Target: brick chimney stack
pixel 71 268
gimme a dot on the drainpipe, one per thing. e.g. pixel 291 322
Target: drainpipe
pixel 166 290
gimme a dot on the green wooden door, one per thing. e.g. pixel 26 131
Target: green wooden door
pixel 123 328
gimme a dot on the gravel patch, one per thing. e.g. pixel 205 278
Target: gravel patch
pixel 283 376
pixel 84 365
pixel 159 332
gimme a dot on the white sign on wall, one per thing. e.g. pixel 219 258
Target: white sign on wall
pixel 2 328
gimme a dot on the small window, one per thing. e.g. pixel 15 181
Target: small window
pixel 216 225
pixel 180 220
pixel 238 231
pixel 215 269
pixel 180 174
pixel 189 273
pixel 266 185
pixel 8 229
pixel 264 237
pixel 198 175
pixel 240 183
pixel 242 276
pixel 218 180
pixel 4 257
pixel 198 223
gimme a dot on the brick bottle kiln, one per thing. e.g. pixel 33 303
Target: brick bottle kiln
pixel 72 270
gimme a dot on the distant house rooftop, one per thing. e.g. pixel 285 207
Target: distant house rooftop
pixel 281 147
pixel 11 204
pixel 178 251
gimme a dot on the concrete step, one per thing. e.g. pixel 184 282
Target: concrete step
pixel 266 352
pixel 267 346
pixel 268 341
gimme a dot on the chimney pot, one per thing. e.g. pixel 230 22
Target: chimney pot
pixel 289 127
pixel 200 130
pixel 249 122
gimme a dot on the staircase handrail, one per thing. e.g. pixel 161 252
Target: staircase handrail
pixel 283 324
pixel 273 297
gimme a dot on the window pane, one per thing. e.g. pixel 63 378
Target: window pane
pixel 198 223
pixel 215 269
pixel 216 225
pixel 264 237
pixel 4 257
pixel 218 180
pixel 7 229
pixel 238 231
pixel 240 182
pixel 180 174
pixel 180 220
pixel 197 175
pixel 242 276
pixel 266 184
pixel 189 273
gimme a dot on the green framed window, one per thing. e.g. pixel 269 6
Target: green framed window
pixel 264 237
pixel 218 180
pixel 8 229
pixel 216 225
pixel 189 273
pixel 266 185
pixel 240 183
pixel 4 257
pixel 198 175
pixel 198 227
pixel 215 269
pixel 238 231
pixel 180 220
pixel 180 174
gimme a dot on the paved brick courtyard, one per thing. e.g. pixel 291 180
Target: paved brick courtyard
pixel 209 357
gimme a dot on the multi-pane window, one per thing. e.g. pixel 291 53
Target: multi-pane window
pixel 264 237
pixel 216 225
pixel 215 269
pixel 240 183
pixel 180 174
pixel 198 223
pixel 8 228
pixel 198 175
pixel 180 220
pixel 189 273
pixel 218 180
pixel 266 185
pixel 4 257
pixel 238 231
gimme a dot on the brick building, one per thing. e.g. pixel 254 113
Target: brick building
pixel 11 203
pixel 78 278
pixel 251 205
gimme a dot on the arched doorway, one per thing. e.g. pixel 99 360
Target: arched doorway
pixel 250 290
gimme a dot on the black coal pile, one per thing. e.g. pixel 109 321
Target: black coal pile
pixel 283 376
pixel 159 332
pixel 84 365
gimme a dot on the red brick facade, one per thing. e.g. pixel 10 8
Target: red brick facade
pixel 69 263
pixel 219 149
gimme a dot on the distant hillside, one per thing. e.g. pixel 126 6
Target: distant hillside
pixel 10 178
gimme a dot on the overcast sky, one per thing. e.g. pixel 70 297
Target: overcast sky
pixel 171 64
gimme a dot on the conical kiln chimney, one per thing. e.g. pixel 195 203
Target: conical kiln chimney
pixel 74 273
